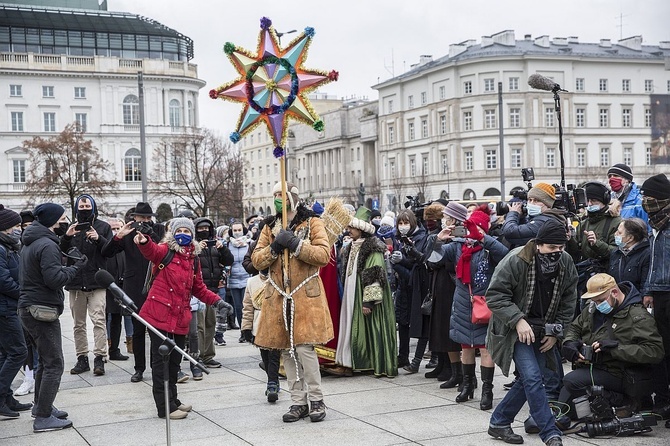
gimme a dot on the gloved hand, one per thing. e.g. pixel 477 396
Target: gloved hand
pixel 608 344
pixel 247 336
pixel 82 262
pixel 412 253
pixel 570 350
pixel 396 257
pixel 473 230
pixel 285 239
pixel 223 309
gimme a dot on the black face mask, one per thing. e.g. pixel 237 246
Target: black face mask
pixel 61 229
pixel 549 262
pixel 84 215
pixel 201 235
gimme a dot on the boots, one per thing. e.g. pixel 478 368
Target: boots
pixel 486 402
pixel 98 366
pixel 445 374
pixel 438 368
pixel 414 366
pixel 129 344
pixel 81 366
pixel 432 363
pixel 469 379
pixel 456 376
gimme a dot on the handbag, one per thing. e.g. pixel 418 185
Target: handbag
pixel 43 313
pixel 481 314
pixel 427 304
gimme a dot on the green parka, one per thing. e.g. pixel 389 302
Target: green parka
pixel 604 244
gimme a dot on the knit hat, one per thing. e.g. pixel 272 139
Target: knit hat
pixel 48 214
pixel 597 191
pixel 8 218
pixel 552 232
pixel 433 211
pixel 375 213
pixel 317 208
pixel 181 222
pixel 622 170
pixel 456 210
pixel 481 217
pixel 27 217
pixel 543 192
pixel 292 193
pixel 388 219
pixel 350 208
pixel 657 187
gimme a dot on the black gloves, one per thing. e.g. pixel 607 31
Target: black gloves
pixel 413 254
pixel 285 239
pixel 81 262
pixel 247 336
pixel 608 344
pixel 224 309
pixel 570 350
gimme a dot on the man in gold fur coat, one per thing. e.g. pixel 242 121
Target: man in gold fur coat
pixel 295 314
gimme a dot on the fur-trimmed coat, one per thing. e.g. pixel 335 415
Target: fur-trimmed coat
pixel 374 277
pixel 312 322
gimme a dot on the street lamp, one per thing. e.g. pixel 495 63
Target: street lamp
pixel 280 34
pixel 445 171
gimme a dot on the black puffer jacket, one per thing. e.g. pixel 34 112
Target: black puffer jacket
pixel 85 279
pixel 633 267
pixel 213 260
pixel 42 275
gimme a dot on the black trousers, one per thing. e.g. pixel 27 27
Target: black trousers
pixel 578 381
pixel 662 370
pixel 139 349
pixel 271 361
pixel 115 322
pixel 157 373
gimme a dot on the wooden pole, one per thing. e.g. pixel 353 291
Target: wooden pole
pixel 284 219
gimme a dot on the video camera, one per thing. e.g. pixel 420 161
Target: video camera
pixel 416 206
pixel 528 176
pixel 570 198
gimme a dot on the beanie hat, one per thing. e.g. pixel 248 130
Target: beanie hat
pixel 552 232
pixel 456 210
pixel 543 192
pixel 622 170
pixel 8 218
pixel 433 211
pixel 481 217
pixel 181 222
pixel 27 217
pixel 597 191
pixel 48 213
pixel 317 208
pixel 657 187
pixel 387 220
pixel 291 191
pixel 374 214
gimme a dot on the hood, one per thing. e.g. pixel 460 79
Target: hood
pixel 36 231
pixel 212 232
pixel 91 200
pixel 633 296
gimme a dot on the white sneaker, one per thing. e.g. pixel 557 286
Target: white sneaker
pixel 26 387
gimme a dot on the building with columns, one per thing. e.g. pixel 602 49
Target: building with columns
pixel 61 65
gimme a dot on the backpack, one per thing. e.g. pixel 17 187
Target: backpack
pixel 153 270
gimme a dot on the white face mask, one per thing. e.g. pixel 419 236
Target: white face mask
pixel 533 209
pixel 237 234
pixel 403 229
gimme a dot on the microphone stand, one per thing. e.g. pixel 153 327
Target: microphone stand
pixel 165 350
pixel 557 107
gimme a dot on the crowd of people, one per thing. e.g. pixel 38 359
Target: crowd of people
pixel 590 288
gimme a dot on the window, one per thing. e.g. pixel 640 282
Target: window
pixel 423 98
pixel 443 92
pixel 17 121
pixel 579 84
pixel 47 91
pixel 267 154
pixel 19 167
pixel 444 161
pixel 602 85
pixel 82 171
pixel 625 85
pixel 513 84
pixel 443 124
pixel 131 110
pixel 132 165
pixel 412 167
pixel 391 133
pixel 489 85
pixel 515 157
pixel 628 156
pixel 175 113
pixel 515 117
pixel 191 114
pixel 392 167
pixel 469 160
pixel 490 119
pixel 604 117
pixel 358 153
pixel 647 117
pixel 410 131
pixel 551 157
pixel 604 157
pixel 648 156
pixel 580 117
pixel 260 174
pixel 467 87
pixel 251 139
pixel 81 120
pixel 648 86
pixel 549 116
pixel 253 172
pixel 581 156
pixel 467 120
pixel 626 117
pixel 424 165
pixel 49 122
pixel 410 101
pixel 390 105
pixel 80 92
pixel 424 128
pixel 491 158
pixel 15 90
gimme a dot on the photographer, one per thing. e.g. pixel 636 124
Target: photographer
pixel 532 294
pixel 611 336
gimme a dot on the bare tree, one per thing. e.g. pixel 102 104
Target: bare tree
pixel 203 172
pixel 65 166
pixel 397 187
pixel 420 182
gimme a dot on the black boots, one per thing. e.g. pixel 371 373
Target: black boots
pixel 413 367
pixel 81 366
pixel 456 376
pixel 469 381
pixel 438 368
pixel 98 366
pixel 486 402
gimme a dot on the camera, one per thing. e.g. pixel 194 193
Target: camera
pixel 570 198
pixel 414 204
pixel 459 231
pixel 587 352
pixel 555 330
pixel 621 427
pixel 143 227
pixel 528 175
pixel 84 226
pixel 211 243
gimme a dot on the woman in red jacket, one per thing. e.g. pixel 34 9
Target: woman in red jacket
pixel 167 305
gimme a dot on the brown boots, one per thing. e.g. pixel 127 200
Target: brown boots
pixel 129 344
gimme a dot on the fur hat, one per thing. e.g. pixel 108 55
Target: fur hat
pixel 622 170
pixel 291 191
pixel 9 218
pixel 362 225
pixel 48 213
pixel 481 217
pixel 181 222
pixel 456 210
pixel 433 211
pixel 543 192
pixel 657 187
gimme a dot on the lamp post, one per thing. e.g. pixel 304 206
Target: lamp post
pixel 280 34
pixel 445 171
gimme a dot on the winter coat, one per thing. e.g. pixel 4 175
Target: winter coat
pixel 42 275
pixel 85 279
pixel 632 267
pixel 311 320
pixel 659 267
pixel 419 324
pixel 518 233
pixel 252 303
pixel 482 265
pixel 247 263
pixel 116 266
pixel 632 205
pixel 631 325
pixel 167 306
pixel 508 298
pixel 237 279
pixel 213 260
pixel 604 246
pixel 9 275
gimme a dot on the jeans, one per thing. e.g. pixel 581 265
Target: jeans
pixel 157 372
pixel 271 361
pixel 94 303
pixel 128 325
pixel 529 363
pixel 47 337
pixel 193 349
pixel 238 297
pixel 13 352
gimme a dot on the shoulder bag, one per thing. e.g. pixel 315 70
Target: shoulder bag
pixel 480 311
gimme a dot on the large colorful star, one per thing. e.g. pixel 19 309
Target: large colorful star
pixel 273 85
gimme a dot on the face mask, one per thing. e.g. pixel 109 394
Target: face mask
pixel 619 241
pixel 376 221
pixel 346 243
pixel 202 235
pixel 183 239
pixel 593 208
pixel 61 229
pixel 277 202
pixel 616 184
pixel 17 233
pixel 604 307
pixel 84 215
pixel 431 225
pixel 549 262
pixel 404 229
pixel 533 209
pixel 237 234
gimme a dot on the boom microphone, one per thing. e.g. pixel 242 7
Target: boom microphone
pixel 106 280
pixel 540 82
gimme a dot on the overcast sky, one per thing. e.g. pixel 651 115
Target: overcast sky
pixel 361 38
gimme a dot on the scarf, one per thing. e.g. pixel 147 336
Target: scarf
pixel 463 265
pixel 239 242
pixel 659 219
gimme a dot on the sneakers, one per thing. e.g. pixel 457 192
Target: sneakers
pixel 176 415
pixel 197 373
pixel 54 412
pixel 6 412
pixel 181 378
pixel 272 392
pixel 46 424
pixel 218 339
pixel 81 366
pixel 137 377
pixel 212 363
pixel 15 405
pixel 98 366
pixel 295 413
pixel 318 411
pixel 26 387
pixel 185 407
